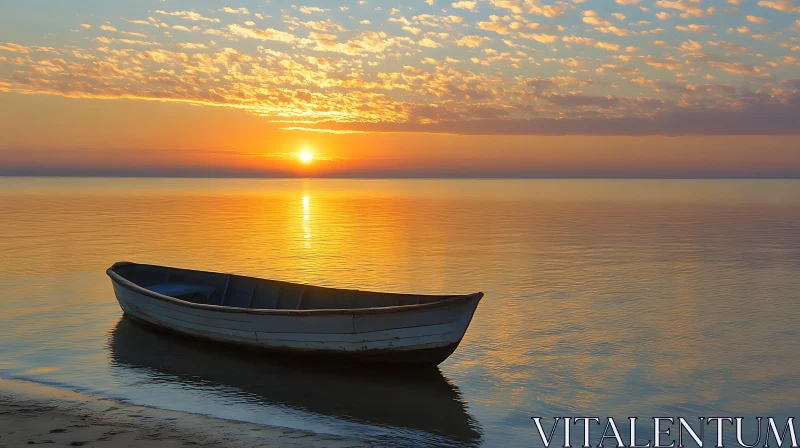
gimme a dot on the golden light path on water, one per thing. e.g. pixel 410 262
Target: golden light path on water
pixel 610 298
pixel 306 224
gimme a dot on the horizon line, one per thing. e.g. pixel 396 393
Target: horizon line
pixel 512 177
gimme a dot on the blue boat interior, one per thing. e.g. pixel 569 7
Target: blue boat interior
pixel 254 293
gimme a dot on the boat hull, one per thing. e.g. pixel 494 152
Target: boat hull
pixel 406 335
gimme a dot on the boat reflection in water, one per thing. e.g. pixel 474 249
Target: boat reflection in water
pixel 420 399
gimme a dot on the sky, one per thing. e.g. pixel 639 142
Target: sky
pixel 487 88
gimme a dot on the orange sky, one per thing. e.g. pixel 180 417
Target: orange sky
pixel 52 135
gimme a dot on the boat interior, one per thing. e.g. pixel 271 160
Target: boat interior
pixel 238 291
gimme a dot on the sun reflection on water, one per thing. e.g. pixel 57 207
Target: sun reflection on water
pixel 306 218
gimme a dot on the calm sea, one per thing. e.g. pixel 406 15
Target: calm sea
pixel 603 297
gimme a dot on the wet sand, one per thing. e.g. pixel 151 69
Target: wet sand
pixel 32 414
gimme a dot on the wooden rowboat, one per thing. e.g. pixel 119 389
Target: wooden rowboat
pixel 293 318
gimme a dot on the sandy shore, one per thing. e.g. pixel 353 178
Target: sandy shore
pixel 32 414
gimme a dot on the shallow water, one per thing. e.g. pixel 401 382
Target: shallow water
pixel 603 297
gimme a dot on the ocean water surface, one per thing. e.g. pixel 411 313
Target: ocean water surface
pixel 603 297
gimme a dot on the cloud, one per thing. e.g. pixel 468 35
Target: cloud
pixel 691 46
pixel 465 4
pixel 579 100
pixel 311 9
pixel 592 18
pixel 495 25
pixel 138 22
pixel 230 10
pixel 513 6
pixel 688 8
pixel 739 68
pixel 756 116
pixel 607 46
pixel 190 46
pixel 668 62
pixel 758 20
pixel 265 34
pixel 780 5
pixel 557 9
pixel 542 38
pixel 428 43
pixel 15 48
pixel 693 28
pixel 472 41
pixel 188 15
pixel 591 42
pixel 621 69
pixel 613 30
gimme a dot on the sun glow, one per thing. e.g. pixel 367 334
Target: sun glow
pixel 306 157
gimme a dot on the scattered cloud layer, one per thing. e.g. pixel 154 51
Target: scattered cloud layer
pixel 629 67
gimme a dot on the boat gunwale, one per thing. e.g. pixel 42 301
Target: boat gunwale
pixel 127 284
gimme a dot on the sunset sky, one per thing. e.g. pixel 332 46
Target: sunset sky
pixel 588 88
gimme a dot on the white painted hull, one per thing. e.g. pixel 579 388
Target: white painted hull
pixel 409 334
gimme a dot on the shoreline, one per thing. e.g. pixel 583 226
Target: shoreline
pixel 33 413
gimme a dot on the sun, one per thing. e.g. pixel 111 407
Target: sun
pixel 306 157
